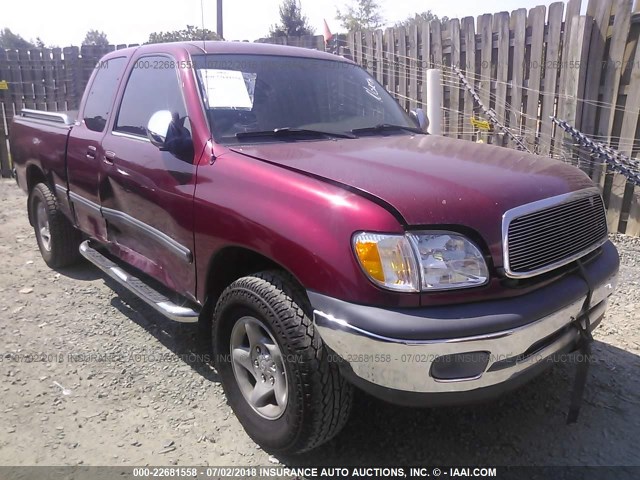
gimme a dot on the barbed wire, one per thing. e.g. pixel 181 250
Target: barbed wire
pixel 517 115
pixel 491 114
pixel 478 77
pixel 522 118
pixel 615 160
pixel 563 148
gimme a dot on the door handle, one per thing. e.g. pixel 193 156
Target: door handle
pixel 91 152
pixel 109 157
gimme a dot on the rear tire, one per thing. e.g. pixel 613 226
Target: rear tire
pixel 57 238
pixel 314 401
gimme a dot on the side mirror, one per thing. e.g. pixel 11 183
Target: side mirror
pixel 158 126
pixel 420 118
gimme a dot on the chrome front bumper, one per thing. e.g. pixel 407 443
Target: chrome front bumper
pixel 406 365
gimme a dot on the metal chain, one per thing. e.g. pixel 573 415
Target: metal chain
pixel 491 115
pixel 615 160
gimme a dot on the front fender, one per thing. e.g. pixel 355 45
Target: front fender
pixel 299 222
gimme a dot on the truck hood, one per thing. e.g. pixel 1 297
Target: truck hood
pixel 431 180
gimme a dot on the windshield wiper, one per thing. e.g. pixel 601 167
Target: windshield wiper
pixel 385 127
pixel 284 132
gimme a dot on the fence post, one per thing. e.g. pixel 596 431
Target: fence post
pixel 536 21
pixel 600 11
pixel 434 101
pixel 572 88
pixel 630 124
pixel 71 63
pixel 501 27
pixel 5 161
pixel 425 54
pixel 573 11
pixel 615 188
pixel 379 56
pixel 5 99
pixel 468 27
pixel 454 98
pixel 552 63
pixel 58 78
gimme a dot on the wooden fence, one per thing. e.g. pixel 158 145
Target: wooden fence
pixel 42 78
pixel 315 42
pixel 526 66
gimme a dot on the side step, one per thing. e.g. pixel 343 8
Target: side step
pixel 140 289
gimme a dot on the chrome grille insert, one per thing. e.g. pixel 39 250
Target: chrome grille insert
pixel 544 235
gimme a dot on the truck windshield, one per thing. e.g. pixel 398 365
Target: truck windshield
pixel 258 98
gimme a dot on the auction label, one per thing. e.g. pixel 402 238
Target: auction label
pixel 273 472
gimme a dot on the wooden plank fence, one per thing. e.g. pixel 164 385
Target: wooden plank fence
pixel 526 65
pixel 315 42
pixel 43 78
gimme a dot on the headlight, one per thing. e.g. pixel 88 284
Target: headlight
pixel 424 261
pixel 388 260
pixel 448 260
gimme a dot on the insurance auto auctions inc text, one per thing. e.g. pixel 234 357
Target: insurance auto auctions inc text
pixel 375 472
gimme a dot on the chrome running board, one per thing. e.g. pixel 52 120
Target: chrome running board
pixel 148 294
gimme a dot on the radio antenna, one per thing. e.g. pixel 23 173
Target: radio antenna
pixel 204 36
pixel 219 31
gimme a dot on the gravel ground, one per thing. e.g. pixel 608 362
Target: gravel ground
pixel 123 386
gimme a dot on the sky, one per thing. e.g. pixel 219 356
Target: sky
pixel 131 21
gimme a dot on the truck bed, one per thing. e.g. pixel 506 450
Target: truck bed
pixel 39 139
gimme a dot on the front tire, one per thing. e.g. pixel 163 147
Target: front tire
pixel 57 238
pixel 274 368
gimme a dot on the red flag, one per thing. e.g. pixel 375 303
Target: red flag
pixel 327 33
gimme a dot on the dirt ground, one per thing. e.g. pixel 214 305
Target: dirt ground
pixel 92 376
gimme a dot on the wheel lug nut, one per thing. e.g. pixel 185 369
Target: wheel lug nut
pixel 258 348
pixel 272 381
pixel 256 364
pixel 263 378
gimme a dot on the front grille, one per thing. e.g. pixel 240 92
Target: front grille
pixel 564 229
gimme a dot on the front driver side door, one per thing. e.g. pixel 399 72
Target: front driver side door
pixel 84 148
pixel 147 194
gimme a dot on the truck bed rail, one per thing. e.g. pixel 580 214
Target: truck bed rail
pixel 57 117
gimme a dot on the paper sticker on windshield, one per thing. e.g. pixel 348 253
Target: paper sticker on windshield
pixel 228 88
pixel 371 89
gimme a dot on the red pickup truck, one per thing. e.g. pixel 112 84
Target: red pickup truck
pixel 283 198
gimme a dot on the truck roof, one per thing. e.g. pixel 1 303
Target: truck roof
pixel 222 47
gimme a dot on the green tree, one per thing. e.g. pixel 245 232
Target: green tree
pixel 292 22
pixel 95 37
pixel 190 33
pixel 361 15
pixel 40 43
pixel 13 41
pixel 427 16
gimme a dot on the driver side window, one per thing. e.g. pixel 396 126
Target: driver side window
pixel 152 86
